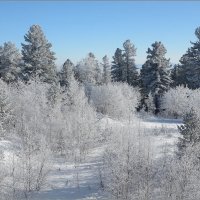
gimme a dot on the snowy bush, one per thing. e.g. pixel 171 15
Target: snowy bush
pixel 6 109
pixel 24 117
pixel 179 101
pixel 127 171
pixel 79 118
pixel 179 178
pixel 32 127
pixel 88 70
pixel 118 100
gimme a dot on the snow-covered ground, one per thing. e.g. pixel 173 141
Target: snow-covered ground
pixel 163 134
pixel 81 182
pixel 67 181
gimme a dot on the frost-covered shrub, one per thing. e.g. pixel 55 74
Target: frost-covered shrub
pixel 180 178
pixel 88 70
pixel 127 169
pixel 117 100
pixel 30 107
pixel 25 121
pixel 6 109
pixel 32 127
pixel 179 101
pixel 79 118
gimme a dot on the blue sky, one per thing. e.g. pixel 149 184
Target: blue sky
pixel 76 28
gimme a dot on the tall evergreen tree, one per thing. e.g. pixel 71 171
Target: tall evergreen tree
pixel 155 73
pixel 117 66
pixel 38 57
pixel 124 68
pixel 66 73
pixel 130 73
pixel 106 70
pixel 190 63
pixel 10 61
pixel 178 76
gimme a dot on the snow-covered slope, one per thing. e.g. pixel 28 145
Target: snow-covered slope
pixel 62 182
pixel 74 182
pixel 71 181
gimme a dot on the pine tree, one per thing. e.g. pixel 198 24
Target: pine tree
pixel 190 63
pixel 38 57
pixel 124 68
pixel 155 73
pixel 190 131
pixel 178 76
pixel 98 74
pixel 117 66
pixel 130 74
pixel 106 70
pixel 150 106
pixel 10 60
pixel 66 73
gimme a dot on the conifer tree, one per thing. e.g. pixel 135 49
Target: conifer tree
pixel 10 61
pixel 117 66
pixel 66 73
pixel 179 76
pixel 155 73
pixel 106 70
pixel 124 68
pixel 190 63
pixel 37 56
pixel 130 70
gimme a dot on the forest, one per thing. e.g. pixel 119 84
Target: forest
pixel 99 129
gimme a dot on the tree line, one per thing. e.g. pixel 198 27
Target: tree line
pixel 156 76
pixel 68 127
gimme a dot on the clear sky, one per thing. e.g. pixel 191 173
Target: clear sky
pixel 79 27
